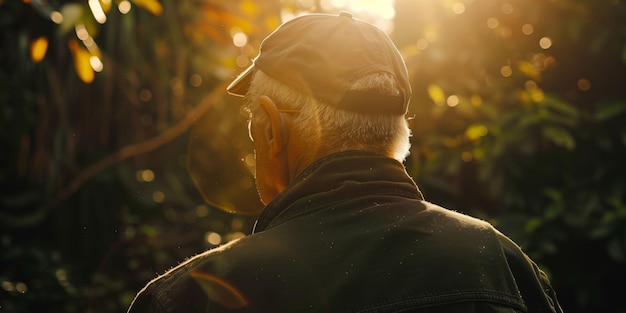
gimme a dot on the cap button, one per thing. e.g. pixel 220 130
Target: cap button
pixel 345 14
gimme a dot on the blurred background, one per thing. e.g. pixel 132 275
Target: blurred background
pixel 122 155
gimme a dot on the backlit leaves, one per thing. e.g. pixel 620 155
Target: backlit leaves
pixel 153 6
pixel 38 48
pixel 436 94
pixel 560 136
pixel 72 15
pixel 82 63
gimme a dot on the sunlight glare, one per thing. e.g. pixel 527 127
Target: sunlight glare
pixel 527 29
pixel 240 39
pixel 493 23
pixel 384 9
pixel 97 11
pixel 81 32
pixel 124 7
pixel 545 43
pixel 96 63
pixel 458 8
pixel 56 17
pixel 452 101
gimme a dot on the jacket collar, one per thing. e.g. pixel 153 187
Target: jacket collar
pixel 335 177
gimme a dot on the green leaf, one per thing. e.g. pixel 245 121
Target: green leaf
pixel 616 249
pixel 608 110
pixel 559 136
pixel 561 106
pixel 533 224
pixel 72 14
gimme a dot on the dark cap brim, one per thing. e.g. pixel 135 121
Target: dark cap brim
pixel 241 84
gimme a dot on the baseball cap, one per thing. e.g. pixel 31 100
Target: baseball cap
pixel 323 55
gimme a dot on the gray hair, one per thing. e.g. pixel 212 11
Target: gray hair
pixel 335 130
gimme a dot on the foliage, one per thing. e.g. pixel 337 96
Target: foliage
pixel 519 118
pixel 117 136
pixel 96 118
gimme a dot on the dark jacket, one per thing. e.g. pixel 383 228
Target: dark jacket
pixel 353 234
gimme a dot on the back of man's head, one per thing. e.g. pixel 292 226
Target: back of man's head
pixel 345 76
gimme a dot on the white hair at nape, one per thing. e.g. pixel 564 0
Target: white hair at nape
pixel 333 129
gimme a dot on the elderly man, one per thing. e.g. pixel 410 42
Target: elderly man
pixel 345 229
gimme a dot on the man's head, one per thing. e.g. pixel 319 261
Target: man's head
pixel 323 84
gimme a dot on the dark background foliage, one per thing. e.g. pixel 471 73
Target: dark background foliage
pixel 111 176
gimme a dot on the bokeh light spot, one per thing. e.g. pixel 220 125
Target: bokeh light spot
pixel 177 86
pixel 422 44
pixel 145 176
pixel 249 159
pixel 81 32
pixel 96 10
pixel 452 101
pixel 56 17
pixel 545 43
pixel 21 287
pixel 240 39
pixel 242 61
pixel 213 238
pixel 202 210
pixel 507 8
pixel 458 8
pixel 466 156
pixel 124 7
pixel 530 85
pixel 493 22
pixel 195 80
pixel 7 286
pixel 158 196
pixel 528 29
pixel 96 63
pixel 584 84
pixel 145 95
pixel 236 224
pixel 506 71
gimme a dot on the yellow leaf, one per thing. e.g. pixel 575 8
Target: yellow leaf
pixel 81 62
pixel 271 22
pixel 151 5
pixel 436 94
pixel 38 49
pixel 249 7
pixel 476 100
pixel 474 132
pixel 530 71
pixel 106 5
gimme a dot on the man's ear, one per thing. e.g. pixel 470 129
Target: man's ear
pixel 275 132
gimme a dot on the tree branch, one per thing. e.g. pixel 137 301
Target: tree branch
pixel 137 148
